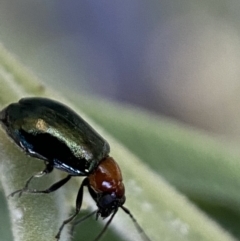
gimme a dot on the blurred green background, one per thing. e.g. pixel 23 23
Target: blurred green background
pixel 177 58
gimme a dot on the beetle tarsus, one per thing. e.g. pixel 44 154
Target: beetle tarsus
pixel 20 191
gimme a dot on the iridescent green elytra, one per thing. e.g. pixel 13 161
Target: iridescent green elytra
pixel 51 131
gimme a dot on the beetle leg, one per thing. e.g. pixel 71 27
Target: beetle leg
pixel 78 207
pixel 77 222
pixel 48 169
pixel 106 226
pixel 53 188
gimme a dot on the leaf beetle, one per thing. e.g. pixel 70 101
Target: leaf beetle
pixel 48 130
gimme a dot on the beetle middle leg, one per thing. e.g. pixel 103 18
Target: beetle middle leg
pixel 77 210
pixel 48 169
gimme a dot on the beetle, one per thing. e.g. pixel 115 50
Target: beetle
pixel 48 130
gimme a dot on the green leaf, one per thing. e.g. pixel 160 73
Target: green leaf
pixel 189 160
pixel 200 166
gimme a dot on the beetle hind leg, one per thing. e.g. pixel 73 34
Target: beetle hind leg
pixel 48 169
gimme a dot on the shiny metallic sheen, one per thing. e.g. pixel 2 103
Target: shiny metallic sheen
pixel 51 131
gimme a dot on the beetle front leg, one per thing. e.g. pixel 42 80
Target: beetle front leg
pixel 77 210
pixel 47 170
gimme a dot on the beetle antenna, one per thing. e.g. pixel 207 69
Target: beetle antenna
pixel 75 223
pixel 105 227
pixel 138 227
